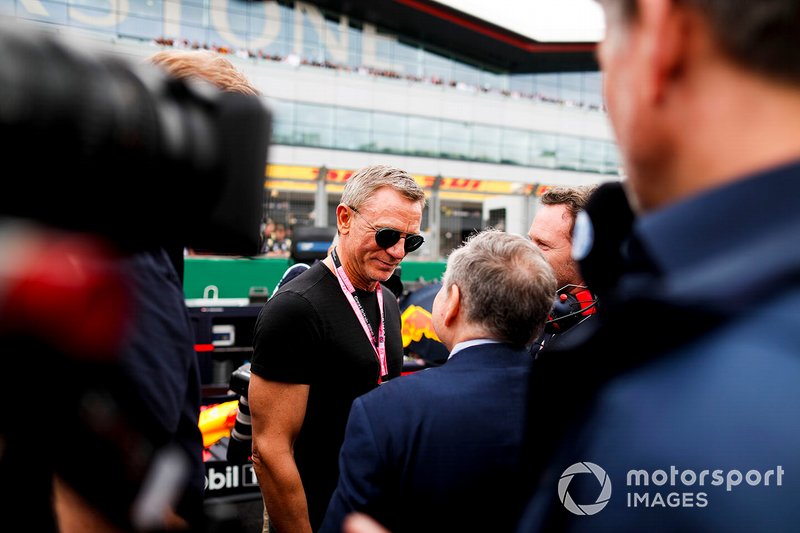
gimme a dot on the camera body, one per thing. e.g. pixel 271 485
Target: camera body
pixel 129 152
pixel 241 441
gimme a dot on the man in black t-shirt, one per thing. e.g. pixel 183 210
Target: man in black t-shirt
pixel 326 337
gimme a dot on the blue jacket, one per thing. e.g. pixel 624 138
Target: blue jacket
pixel 686 397
pixel 438 450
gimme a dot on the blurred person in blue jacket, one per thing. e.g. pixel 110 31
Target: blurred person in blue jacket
pixel 689 422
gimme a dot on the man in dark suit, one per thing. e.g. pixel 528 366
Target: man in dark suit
pixel 439 450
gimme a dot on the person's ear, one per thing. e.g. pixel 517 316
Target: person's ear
pixel 664 28
pixel 452 305
pixel 344 217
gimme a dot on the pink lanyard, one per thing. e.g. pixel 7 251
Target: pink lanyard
pixel 379 344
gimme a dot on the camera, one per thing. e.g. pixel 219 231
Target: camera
pixel 104 156
pixel 127 151
pixel 241 440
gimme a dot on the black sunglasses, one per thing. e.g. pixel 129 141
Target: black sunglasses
pixel 388 237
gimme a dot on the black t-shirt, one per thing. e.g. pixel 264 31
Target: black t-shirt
pixel 308 333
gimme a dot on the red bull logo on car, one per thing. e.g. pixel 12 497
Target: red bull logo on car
pixel 416 323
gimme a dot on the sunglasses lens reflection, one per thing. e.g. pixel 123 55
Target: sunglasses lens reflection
pixel 413 242
pixel 386 238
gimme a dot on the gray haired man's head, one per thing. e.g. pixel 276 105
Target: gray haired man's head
pixel 506 285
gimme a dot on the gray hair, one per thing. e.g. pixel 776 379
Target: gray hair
pixel 760 35
pixel 365 181
pixel 506 284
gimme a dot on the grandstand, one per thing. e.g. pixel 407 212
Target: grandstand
pixel 484 117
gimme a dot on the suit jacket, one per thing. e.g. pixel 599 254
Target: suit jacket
pixel 438 450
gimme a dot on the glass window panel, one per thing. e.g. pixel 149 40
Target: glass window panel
pixel 487 153
pixel 613 160
pixel 237 6
pixel 264 26
pixel 486 134
pixel 287 13
pixel 389 142
pixel 236 24
pixel 543 149
pixel 195 33
pixel 593 155
pixel 8 8
pixel 466 74
pixel 422 145
pixel 352 129
pixel 454 149
pixel 56 12
pixel 419 147
pixel 311 43
pixel 571 95
pixel 593 90
pixel 335 44
pixel 455 140
pixel 515 147
pixel 571 80
pixel 353 139
pixel 141 28
pixel 423 128
pixel 568 152
pixel 145 8
pixel 313 135
pixel 592 81
pixel 593 150
pixel 455 131
pixel 437 67
pixel 522 83
pixel 309 38
pixel 94 14
pixel 353 119
pixel 384 51
pixel 546 85
pixel 314 114
pixel 494 82
pixel 408 56
pixel 189 14
pixel 276 49
pixel 486 143
pixel 354 42
pixel 102 5
pixel 283 120
pixel 313 125
pixel 389 122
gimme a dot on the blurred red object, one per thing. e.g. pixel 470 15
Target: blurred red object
pixel 64 289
